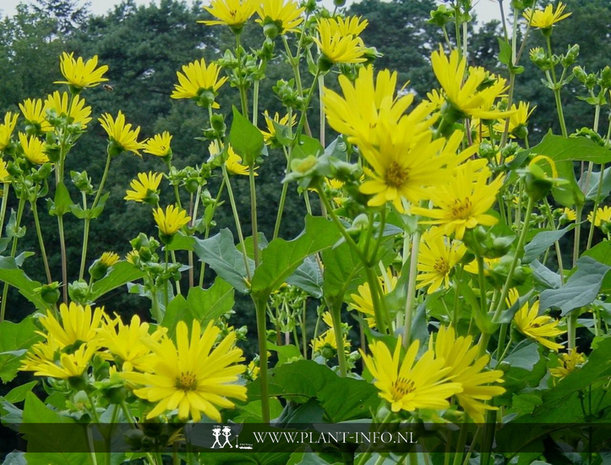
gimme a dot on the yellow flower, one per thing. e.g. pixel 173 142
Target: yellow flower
pixel 362 301
pixel 233 13
pixel 351 25
pixel 545 19
pixel 200 82
pixel 143 187
pixel 436 98
pixel 33 149
pixel 466 367
pixel 6 129
pixel 80 74
pixel 170 221
pixel 78 324
pixel 4 174
pixel 35 114
pixel 124 137
pixel 357 112
pixel 285 16
pixel 191 376
pixel 132 257
pixel 78 113
pixel 517 120
pixel 465 94
pixel 489 264
pixel 603 215
pixel 463 200
pixel 337 47
pixel 437 257
pixel 271 123
pixel 109 258
pixel 327 339
pixel 131 344
pixel 159 145
pixel 542 329
pixel 570 214
pixel 69 365
pixel 406 166
pixel 409 384
pixel 46 351
pixel 568 363
pixel 234 163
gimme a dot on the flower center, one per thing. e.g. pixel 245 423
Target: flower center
pixel 186 381
pixel 441 266
pixel 395 175
pixel 462 208
pixel 401 387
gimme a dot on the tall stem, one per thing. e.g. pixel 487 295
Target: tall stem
pixel 253 215
pixel 236 218
pixel 514 262
pixel 411 288
pixel 86 224
pixel 556 88
pixel 20 208
pixel 62 247
pixel 336 310
pixel 6 188
pixel 260 304
pixel 41 242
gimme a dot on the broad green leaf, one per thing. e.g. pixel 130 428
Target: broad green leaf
pixel 220 252
pixel 61 202
pixel 305 147
pixel 344 271
pixel 286 354
pixel 180 241
pixel 251 412
pixel 568 194
pixel 580 289
pixel 601 252
pixel 308 412
pixel 342 398
pixel 578 148
pixel 120 274
pixel 281 257
pixel 245 138
pixel 12 229
pixel 543 275
pixel 541 242
pixel 16 339
pixel 16 277
pixel 589 184
pixel 308 277
pixel 202 305
pixel 18 394
pixel 526 367
pixel 15 458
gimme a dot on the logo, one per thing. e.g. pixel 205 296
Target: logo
pixel 221 443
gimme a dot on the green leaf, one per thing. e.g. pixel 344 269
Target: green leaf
pixel 526 367
pixel 569 193
pixel 543 275
pixel 12 230
pixel 305 147
pixel 120 274
pixel 251 412
pixel 16 277
pixel 16 339
pixel 18 394
pixel 308 277
pixel 541 242
pixel 180 241
pixel 99 208
pixel 245 138
pixel 344 271
pixel 578 148
pixel 589 184
pixel 580 289
pixel 342 398
pixel 601 252
pixel 202 305
pixel 61 202
pixel 221 254
pixel 504 52
pixel 281 257
pixel 286 354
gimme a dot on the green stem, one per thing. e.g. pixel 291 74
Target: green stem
pixel 514 262
pixel 202 270
pixel 5 194
pixel 411 288
pixel 482 285
pixel 86 223
pixel 253 214
pixel 173 254
pixel 166 281
pixel 336 310
pixel 556 89
pixel 578 213
pixel 595 207
pixel 238 225
pixel 62 247
pixel 321 110
pixel 552 223
pixel 241 84
pixel 20 208
pixel 41 241
pixel 260 304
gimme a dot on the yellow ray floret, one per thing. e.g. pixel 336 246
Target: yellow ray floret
pixel 170 220
pixel 81 74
